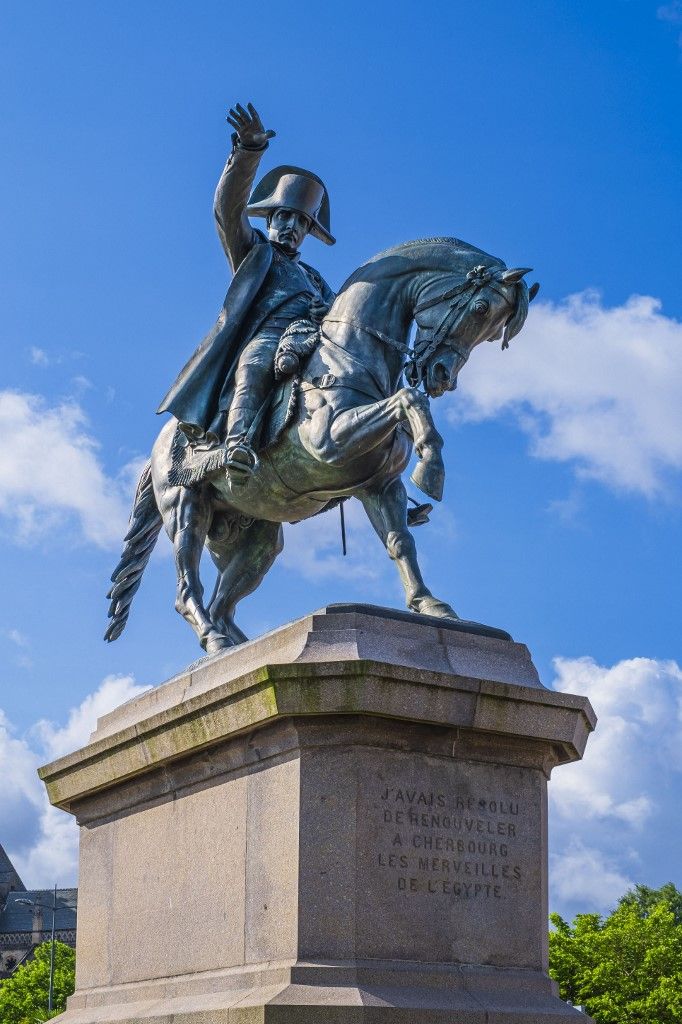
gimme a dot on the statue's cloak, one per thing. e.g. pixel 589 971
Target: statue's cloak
pixel 195 397
pixel 266 279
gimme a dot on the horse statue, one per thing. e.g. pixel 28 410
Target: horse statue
pixel 344 428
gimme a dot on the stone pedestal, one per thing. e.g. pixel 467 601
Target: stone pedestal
pixel 342 821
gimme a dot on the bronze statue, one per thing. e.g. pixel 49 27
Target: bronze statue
pixel 288 408
pixel 229 379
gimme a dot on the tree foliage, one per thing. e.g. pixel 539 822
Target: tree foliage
pixel 625 968
pixel 24 996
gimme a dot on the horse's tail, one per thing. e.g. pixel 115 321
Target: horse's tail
pixel 143 530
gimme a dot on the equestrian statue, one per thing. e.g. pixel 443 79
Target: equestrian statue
pixel 299 399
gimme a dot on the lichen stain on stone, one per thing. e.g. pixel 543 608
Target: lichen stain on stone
pixel 257 704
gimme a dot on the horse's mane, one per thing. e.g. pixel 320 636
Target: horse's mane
pixel 450 255
pixel 451 246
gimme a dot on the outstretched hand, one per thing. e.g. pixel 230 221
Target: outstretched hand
pixel 249 127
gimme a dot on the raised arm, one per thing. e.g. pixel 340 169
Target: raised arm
pixel 249 142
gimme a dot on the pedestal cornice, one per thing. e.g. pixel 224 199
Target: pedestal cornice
pixel 215 702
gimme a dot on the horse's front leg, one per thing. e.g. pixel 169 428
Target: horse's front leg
pixel 413 406
pixel 339 437
pixel 386 509
pixel 429 473
pixel 186 513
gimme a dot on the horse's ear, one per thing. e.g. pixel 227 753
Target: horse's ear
pixel 514 275
pixel 533 290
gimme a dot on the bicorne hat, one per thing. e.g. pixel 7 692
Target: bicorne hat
pixel 295 189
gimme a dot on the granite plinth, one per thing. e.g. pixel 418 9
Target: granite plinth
pixel 345 818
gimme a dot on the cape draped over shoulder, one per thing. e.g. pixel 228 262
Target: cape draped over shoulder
pixel 194 397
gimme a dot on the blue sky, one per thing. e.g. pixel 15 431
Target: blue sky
pixel 548 134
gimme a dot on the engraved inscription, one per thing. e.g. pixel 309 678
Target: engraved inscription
pixel 448 844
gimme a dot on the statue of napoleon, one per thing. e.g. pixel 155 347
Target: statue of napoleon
pixel 299 399
pixel 224 390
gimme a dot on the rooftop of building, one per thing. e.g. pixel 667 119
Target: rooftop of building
pixel 17 914
pixel 9 879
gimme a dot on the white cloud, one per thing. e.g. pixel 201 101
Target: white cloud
pixel 38 356
pixel 52 857
pixel 313 548
pixel 567 510
pixel 21 797
pixel 16 637
pixel 42 841
pixel 50 473
pixel 57 740
pixel 582 875
pixel 610 811
pixel 18 640
pixel 597 387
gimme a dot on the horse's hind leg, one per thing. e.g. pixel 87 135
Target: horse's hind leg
pixel 242 558
pixel 186 514
pixel 387 512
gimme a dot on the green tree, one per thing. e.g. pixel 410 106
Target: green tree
pixel 625 968
pixel 24 996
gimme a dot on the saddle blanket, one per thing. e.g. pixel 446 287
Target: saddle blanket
pixel 192 464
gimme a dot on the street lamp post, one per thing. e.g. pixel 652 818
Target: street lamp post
pixel 50 992
pixel 33 903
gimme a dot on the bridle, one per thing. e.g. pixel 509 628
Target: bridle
pixel 461 296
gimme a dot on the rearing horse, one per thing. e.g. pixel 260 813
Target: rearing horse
pixel 353 428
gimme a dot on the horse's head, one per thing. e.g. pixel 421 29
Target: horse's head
pixel 490 303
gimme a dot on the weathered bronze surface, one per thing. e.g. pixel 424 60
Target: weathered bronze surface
pixel 296 399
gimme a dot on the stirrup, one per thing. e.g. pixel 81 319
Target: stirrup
pixel 241 460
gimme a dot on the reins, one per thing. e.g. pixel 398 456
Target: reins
pixel 352 322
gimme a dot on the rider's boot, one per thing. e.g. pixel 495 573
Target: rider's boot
pixel 241 458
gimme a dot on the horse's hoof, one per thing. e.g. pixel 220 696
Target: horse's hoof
pixel 216 644
pixel 429 476
pixel 432 606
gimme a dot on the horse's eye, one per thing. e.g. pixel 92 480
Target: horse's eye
pixel 481 306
